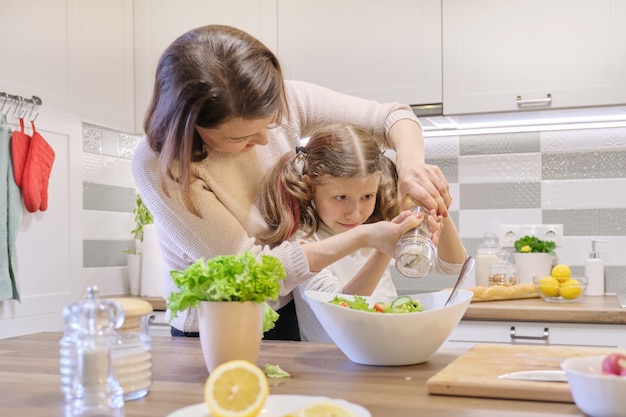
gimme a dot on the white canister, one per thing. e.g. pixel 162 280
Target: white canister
pixel 486 255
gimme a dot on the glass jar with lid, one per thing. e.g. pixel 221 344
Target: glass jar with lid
pixel 502 272
pixel 131 356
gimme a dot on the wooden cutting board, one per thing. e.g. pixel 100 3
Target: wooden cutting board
pixel 475 373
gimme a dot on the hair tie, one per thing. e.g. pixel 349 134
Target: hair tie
pixel 300 159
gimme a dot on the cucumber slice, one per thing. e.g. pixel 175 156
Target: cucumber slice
pixel 401 300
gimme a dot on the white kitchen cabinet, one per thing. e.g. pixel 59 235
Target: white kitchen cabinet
pixel 502 56
pixel 158 23
pixel 386 51
pixel 106 65
pixel 75 55
pixel 470 332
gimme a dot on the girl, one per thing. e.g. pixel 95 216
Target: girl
pixel 338 181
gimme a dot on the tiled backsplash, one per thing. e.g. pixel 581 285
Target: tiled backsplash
pixel 572 177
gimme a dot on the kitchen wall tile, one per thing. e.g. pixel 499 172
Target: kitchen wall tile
pixel 111 281
pixel 92 139
pixel 583 140
pixel 480 169
pixel 500 143
pixel 583 194
pixel 442 147
pixel 99 253
pixel 615 279
pixel 500 196
pixel 108 197
pixel 106 225
pixel 592 222
pixel 475 223
pixel 127 145
pixel 449 167
pixel 454 193
pixel 107 170
pixel 574 165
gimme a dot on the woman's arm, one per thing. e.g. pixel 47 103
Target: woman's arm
pixel 425 183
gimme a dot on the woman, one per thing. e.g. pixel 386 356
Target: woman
pixel 219 93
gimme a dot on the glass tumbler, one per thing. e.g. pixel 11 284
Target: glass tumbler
pixel 415 251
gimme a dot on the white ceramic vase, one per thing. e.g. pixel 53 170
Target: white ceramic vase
pixel 133 261
pixel 152 265
pixel 230 330
pixel 529 265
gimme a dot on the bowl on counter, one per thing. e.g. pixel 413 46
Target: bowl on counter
pixel 595 393
pixel 373 338
pixel 560 290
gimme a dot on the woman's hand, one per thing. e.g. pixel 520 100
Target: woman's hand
pixel 426 184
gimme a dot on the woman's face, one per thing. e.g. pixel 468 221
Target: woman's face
pixel 236 135
pixel 344 203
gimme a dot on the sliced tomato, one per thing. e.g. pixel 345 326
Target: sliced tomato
pixel 379 307
pixel 343 304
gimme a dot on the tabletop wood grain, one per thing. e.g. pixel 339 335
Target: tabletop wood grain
pixel 30 383
pixel 593 310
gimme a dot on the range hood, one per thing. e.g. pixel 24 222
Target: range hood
pixel 435 123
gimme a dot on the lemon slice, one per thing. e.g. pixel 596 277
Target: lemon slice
pixel 324 410
pixel 236 388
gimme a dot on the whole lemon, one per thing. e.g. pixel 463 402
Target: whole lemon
pixel 549 286
pixel 570 289
pixel 561 272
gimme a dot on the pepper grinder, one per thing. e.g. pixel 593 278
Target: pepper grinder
pixel 87 377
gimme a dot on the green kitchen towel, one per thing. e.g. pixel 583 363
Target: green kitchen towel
pixel 11 216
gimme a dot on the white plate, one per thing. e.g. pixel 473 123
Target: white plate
pixel 276 406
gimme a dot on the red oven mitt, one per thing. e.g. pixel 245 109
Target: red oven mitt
pixel 20 142
pixel 37 173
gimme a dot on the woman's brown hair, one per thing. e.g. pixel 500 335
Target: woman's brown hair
pixel 206 77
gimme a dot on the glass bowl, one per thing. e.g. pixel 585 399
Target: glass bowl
pixel 560 290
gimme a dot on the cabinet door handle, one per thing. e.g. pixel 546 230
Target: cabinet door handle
pixel 529 102
pixel 546 335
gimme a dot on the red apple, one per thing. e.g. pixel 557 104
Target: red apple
pixel 615 364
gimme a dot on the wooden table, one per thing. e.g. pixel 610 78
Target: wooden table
pixel 30 384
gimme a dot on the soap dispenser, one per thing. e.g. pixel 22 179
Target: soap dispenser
pixel 594 271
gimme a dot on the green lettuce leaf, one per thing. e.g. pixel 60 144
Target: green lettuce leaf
pixel 238 277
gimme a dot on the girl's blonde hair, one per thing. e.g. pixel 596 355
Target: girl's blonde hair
pixel 206 77
pixel 336 151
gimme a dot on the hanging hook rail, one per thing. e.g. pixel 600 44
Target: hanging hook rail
pixel 20 109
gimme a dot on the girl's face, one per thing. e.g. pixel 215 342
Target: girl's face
pixel 343 203
pixel 236 135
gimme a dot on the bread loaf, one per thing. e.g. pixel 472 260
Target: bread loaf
pixel 501 292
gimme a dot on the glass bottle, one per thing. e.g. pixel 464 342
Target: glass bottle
pixel 87 380
pixel 415 251
pixel 486 254
pixel 132 353
pixel 502 272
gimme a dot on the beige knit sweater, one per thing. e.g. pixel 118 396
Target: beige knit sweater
pixel 226 186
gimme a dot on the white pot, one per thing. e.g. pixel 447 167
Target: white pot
pixel 134 273
pixel 152 265
pixel 529 265
pixel 230 330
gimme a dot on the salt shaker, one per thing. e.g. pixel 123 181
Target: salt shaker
pixel 87 380
pixel 415 251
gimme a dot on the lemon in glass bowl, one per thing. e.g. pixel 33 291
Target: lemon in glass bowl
pixel 554 290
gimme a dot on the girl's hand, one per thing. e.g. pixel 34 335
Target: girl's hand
pixel 384 235
pixel 435 225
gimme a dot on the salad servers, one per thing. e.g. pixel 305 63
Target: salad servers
pixel 466 269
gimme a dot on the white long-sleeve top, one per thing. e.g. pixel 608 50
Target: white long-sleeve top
pixel 225 186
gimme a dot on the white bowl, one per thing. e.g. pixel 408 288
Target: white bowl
pixel 371 338
pixel 596 394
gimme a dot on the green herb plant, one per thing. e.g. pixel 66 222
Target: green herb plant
pixel 532 244
pixel 142 218
pixel 229 278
